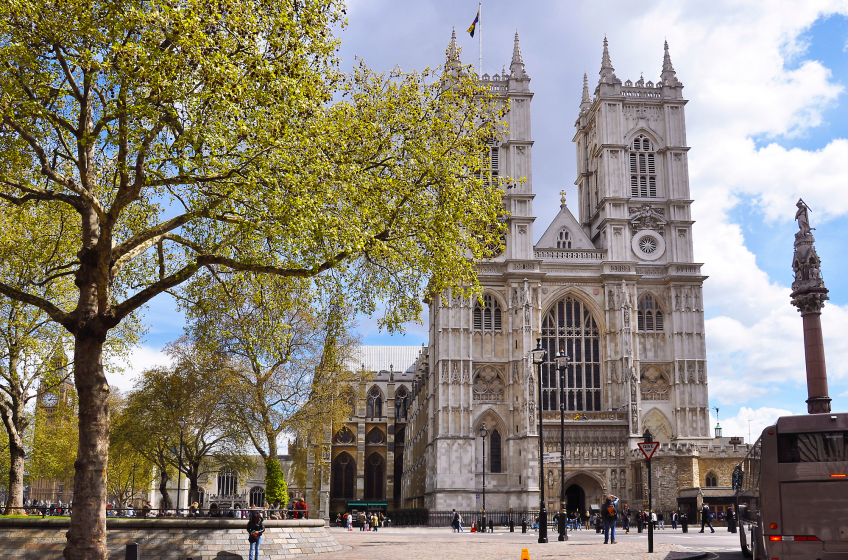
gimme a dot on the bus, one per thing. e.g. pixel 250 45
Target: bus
pixel 792 490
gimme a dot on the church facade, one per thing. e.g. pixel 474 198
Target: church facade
pixel 612 283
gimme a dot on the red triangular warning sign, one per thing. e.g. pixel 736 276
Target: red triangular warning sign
pixel 648 449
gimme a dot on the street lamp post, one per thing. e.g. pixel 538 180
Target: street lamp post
pixel 539 354
pixel 180 469
pixel 562 364
pixel 648 438
pixel 483 433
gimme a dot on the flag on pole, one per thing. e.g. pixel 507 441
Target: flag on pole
pixel 474 23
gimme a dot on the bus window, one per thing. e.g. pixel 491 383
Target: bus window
pixel 821 447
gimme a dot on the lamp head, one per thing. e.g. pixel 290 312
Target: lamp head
pixel 561 359
pixel 483 431
pixel 182 422
pixel 539 354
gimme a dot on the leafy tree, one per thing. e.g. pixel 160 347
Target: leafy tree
pixel 129 470
pixel 193 390
pixel 194 134
pixel 275 482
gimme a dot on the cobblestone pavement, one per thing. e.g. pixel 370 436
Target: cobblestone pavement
pixel 443 544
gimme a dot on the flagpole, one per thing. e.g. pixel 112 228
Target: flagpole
pixel 480 11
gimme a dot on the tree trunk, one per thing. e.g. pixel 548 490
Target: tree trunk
pixel 87 533
pixel 192 476
pixel 16 476
pixel 165 503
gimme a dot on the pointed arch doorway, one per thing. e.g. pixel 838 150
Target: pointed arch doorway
pixel 575 499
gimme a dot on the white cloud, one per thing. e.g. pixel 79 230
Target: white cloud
pixel 739 425
pixel 142 358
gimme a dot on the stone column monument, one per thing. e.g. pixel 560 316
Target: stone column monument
pixel 809 295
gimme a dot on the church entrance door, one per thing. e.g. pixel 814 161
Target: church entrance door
pixel 575 499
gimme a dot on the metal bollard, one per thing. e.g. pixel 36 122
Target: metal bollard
pixel 132 552
pixel 524 526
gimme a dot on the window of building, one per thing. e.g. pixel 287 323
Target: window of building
pixel 487 317
pixel 344 436
pixel 643 170
pixel 401 403
pixel 564 239
pixel 569 325
pixel 495 455
pixel 227 483
pixel 374 408
pixel 344 476
pixel 375 437
pixel 257 496
pixel 375 470
pixel 712 480
pixel 649 316
pixel 490 168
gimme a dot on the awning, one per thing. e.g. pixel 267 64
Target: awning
pixel 366 504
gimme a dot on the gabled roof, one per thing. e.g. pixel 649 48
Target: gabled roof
pixel 565 219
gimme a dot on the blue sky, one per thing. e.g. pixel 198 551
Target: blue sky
pixel 767 123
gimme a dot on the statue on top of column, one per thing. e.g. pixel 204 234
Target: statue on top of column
pixel 803 217
pixel 806 263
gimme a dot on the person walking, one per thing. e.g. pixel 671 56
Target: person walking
pixel 705 519
pixel 348 521
pixel 731 520
pixel 661 520
pixel 626 520
pixel 255 529
pixel 362 523
pixel 609 515
pixel 674 520
pixel 653 518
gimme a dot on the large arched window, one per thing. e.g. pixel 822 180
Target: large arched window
pixel 495 454
pixel 649 316
pixel 488 316
pixel 643 169
pixel 374 409
pixel 375 475
pixel 227 483
pixel 569 325
pixel 257 496
pixel 344 476
pixel 711 480
pixel 564 239
pixel 401 403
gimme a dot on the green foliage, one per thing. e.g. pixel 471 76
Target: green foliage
pixel 275 483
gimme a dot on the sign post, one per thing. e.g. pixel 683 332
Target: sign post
pixel 648 449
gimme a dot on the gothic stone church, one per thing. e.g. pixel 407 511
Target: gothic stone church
pixel 615 286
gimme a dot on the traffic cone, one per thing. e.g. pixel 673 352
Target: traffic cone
pixel 473 527
pixel 525 554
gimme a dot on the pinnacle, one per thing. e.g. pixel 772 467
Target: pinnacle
pixel 516 51
pixel 668 74
pixel 585 98
pixel 605 61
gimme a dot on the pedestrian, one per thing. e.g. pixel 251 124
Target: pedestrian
pixel 145 510
pixel 626 519
pixel 609 515
pixel 674 520
pixel 255 528
pixel 705 519
pixel 375 523
pixel 362 523
pixel 731 520
pixel 661 520
pixel 654 519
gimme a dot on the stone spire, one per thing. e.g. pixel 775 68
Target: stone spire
pixel 808 295
pixel 607 71
pixel 453 64
pixel 668 76
pixel 586 100
pixel 516 67
pixel 516 51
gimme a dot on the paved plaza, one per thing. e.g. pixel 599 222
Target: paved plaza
pixel 440 544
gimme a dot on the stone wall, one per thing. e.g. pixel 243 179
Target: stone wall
pixel 171 539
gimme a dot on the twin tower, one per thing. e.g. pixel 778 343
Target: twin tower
pixel 614 286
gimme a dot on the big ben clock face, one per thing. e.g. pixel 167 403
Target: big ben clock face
pixel 49 399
